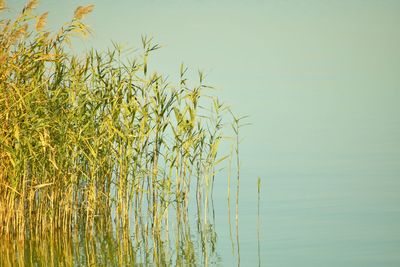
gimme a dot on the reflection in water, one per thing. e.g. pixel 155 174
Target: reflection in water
pixel 171 245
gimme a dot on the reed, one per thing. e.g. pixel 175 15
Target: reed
pixel 236 125
pixel 97 139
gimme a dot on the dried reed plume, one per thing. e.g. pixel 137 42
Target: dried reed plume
pixel 41 21
pixel 82 11
pixel 32 4
pixel 2 5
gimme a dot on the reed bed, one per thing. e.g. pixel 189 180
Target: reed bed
pixel 99 141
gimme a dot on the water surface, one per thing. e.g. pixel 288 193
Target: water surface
pixel 320 81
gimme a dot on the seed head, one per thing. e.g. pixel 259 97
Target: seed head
pixel 82 11
pixel 32 4
pixel 41 22
pixel 2 5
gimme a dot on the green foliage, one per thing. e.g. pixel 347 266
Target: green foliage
pixel 95 139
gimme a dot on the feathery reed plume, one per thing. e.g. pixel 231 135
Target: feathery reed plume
pixel 41 21
pixel 2 5
pixel 32 4
pixel 82 11
pixel 20 32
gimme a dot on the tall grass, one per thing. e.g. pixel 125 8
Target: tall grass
pixel 98 140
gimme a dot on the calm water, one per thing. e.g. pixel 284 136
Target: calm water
pixel 321 83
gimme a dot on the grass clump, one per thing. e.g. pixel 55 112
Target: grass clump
pixel 97 140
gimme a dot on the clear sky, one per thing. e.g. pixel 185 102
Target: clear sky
pixel 320 81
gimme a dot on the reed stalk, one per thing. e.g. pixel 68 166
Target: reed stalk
pixel 100 141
